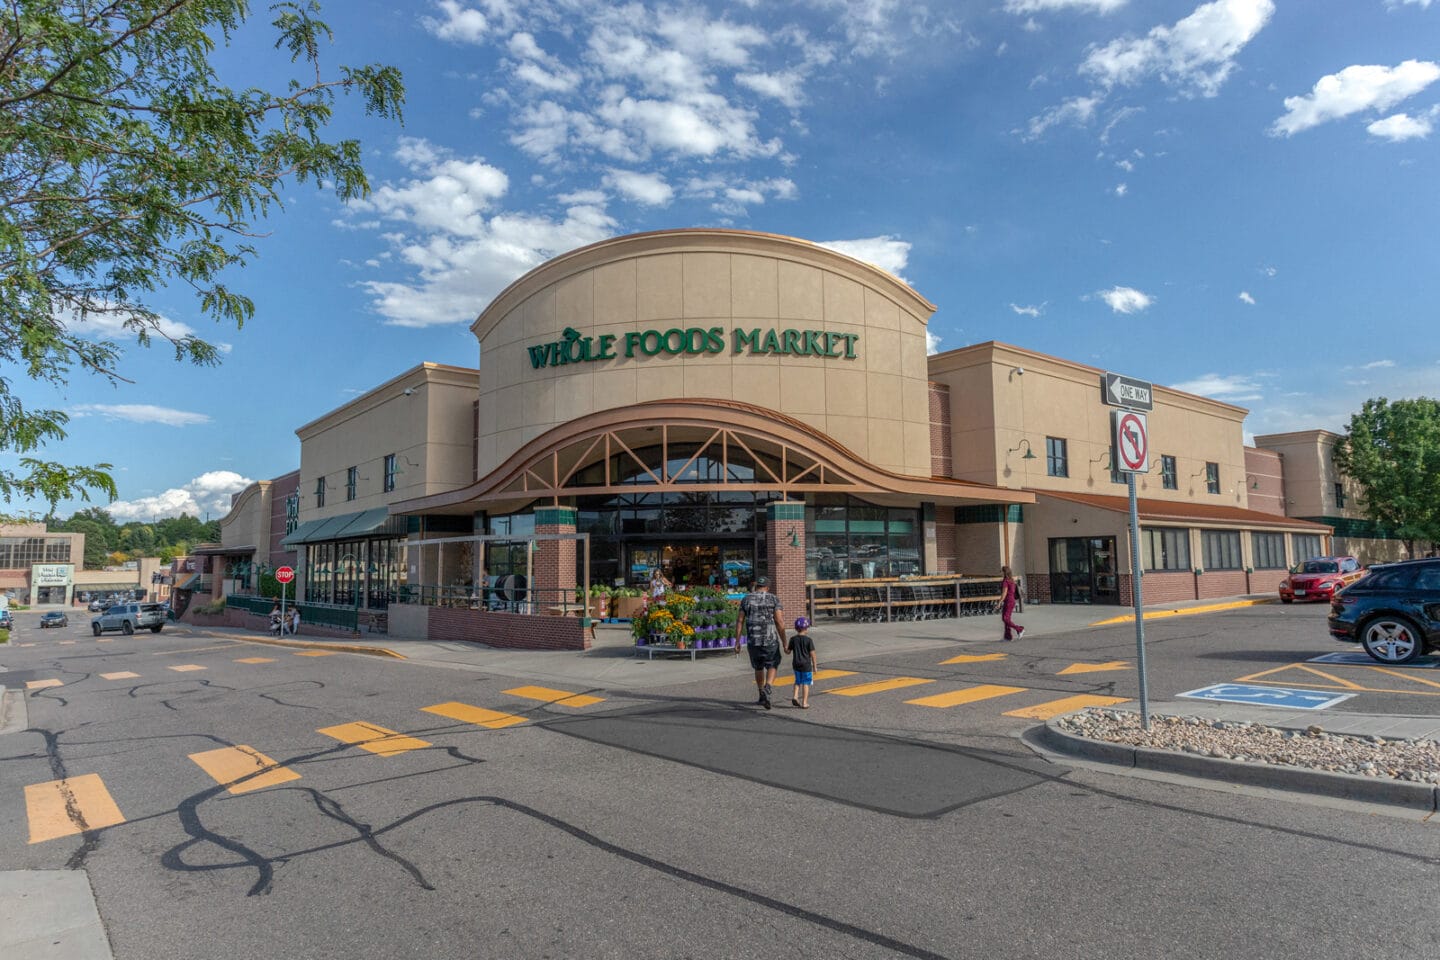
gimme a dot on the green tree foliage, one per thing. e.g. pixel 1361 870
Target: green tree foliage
pixel 107 542
pixel 1392 451
pixel 126 166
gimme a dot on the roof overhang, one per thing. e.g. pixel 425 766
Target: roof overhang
pixel 1182 511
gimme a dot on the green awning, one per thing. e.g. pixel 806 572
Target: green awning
pixel 345 526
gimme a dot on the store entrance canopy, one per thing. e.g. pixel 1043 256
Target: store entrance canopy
pixel 346 526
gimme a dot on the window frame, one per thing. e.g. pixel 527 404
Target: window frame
pixel 1212 477
pixel 390 470
pixel 1151 537
pixel 1169 475
pixel 1260 554
pixel 319 491
pixel 352 482
pixel 1339 495
pixel 1297 538
pixel 1210 559
pixel 1057 457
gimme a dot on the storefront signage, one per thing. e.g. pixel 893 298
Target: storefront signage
pixel 50 574
pixel 693 341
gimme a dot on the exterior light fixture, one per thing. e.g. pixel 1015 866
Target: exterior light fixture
pixel 1028 455
pixel 794 537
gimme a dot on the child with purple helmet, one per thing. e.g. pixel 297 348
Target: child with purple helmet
pixel 802 651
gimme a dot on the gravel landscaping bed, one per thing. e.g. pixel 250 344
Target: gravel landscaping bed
pixel 1413 760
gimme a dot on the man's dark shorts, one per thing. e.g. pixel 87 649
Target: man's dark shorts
pixel 764 656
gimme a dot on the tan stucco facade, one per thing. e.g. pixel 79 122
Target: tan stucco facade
pixel 871 396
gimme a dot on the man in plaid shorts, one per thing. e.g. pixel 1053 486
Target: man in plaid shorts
pixel 764 632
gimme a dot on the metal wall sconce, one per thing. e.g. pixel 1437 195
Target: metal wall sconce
pixel 1028 455
pixel 794 537
pixel 1254 484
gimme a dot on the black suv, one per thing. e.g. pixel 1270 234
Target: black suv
pixel 1393 611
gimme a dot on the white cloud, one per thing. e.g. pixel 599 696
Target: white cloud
pixel 461 24
pixel 888 253
pixel 1032 312
pixel 1399 127
pixel 451 195
pixel 785 87
pixel 1196 53
pixel 1352 90
pixel 110 325
pixel 1126 299
pixel 139 413
pixel 1423 4
pixel 932 343
pixel 1121 189
pixel 1076 110
pixel 1246 298
pixel 1378 365
pixel 1234 388
pixel 1045 6
pixel 208 493
pixel 647 188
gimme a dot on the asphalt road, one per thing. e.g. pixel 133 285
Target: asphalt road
pixel 683 821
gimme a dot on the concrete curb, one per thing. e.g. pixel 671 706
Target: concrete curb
pixel 1344 786
pixel 321 645
pixel 1183 611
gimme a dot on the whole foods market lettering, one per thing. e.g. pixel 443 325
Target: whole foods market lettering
pixel 691 341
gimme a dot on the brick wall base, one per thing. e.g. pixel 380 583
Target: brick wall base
pixel 256 623
pixel 512 631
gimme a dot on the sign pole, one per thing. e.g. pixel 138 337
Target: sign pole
pixel 1135 595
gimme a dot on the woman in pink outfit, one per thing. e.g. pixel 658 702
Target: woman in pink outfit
pixel 1009 596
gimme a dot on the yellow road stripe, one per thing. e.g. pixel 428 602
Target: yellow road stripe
pixel 1045 711
pixel 476 715
pixel 969 695
pixel 171 653
pixel 1094 667
pixel 121 675
pixel 63 808
pixel 256 660
pixel 818 675
pixel 562 697
pixel 376 739
pixel 42 684
pixel 975 658
pixel 1406 676
pixel 1182 611
pixel 316 653
pixel 67 643
pixel 879 686
pixel 104 639
pixel 186 667
pixel 228 765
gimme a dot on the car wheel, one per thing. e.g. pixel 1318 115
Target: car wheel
pixel 95 629
pixel 1392 640
pixel 127 627
pixel 156 628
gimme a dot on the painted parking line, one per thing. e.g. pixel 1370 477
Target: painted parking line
pixel 1331 681
pixel 67 643
pixel 1350 659
pixel 63 808
pixel 104 639
pixel 315 653
pixel 42 684
pixel 879 686
pixel 229 766
pixel 975 658
pixel 256 660
pixel 120 675
pixel 479 716
pixel 1044 711
pixel 968 695
pixel 563 698
pixel 376 739
pixel 186 667
pixel 1094 667
pixel 817 675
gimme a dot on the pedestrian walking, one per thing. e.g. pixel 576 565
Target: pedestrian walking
pixel 803 661
pixel 1009 596
pixel 294 620
pixel 275 625
pixel 764 633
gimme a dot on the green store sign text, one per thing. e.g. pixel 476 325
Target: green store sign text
pixel 691 341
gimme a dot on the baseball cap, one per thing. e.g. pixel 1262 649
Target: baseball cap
pixel 761 582
pixel 802 623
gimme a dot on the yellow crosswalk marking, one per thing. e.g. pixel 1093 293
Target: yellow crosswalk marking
pixel 975 658
pixel 563 698
pixel 67 643
pixel 968 695
pixel 120 675
pixel 186 667
pixel 1044 711
pixel 42 684
pixel 879 686
pixel 818 675
pixel 256 660
pixel 476 715
pixel 104 639
pixel 376 739
pixel 228 765
pixel 63 808
pixel 26 644
pixel 315 653
pixel 1095 667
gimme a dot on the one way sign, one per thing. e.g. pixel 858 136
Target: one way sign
pixel 1128 392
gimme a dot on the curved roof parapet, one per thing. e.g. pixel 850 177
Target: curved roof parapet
pixel 535 471
pixel 699 240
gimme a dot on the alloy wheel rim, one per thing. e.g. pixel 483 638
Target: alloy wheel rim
pixel 1395 642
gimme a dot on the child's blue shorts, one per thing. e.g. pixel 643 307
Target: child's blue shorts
pixel 803 678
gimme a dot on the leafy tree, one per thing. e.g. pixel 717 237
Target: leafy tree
pixel 1392 451
pixel 126 166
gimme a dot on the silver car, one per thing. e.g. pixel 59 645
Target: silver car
pixel 129 617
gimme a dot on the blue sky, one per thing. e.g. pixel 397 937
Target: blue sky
pixel 1237 198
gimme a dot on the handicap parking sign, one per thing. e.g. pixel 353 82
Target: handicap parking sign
pixel 1286 697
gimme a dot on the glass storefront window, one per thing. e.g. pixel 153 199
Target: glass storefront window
pixel 847 538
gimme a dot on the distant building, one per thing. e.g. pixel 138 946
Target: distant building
pixel 45 568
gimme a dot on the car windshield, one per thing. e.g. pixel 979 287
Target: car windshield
pixel 1318 566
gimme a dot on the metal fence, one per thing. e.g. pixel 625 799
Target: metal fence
pixel 903 598
pixel 504 598
pixel 315 614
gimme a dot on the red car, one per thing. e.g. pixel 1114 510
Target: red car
pixel 1319 578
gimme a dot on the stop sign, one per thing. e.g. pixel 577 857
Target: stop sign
pixel 285 574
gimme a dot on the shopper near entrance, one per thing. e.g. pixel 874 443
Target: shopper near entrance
pixel 1009 596
pixel 658 584
pixel 802 660
pixel 764 633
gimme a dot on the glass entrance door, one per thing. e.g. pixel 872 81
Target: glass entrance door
pixel 1082 570
pixel 693 564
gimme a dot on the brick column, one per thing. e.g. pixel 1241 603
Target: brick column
pixel 554 560
pixel 785 552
